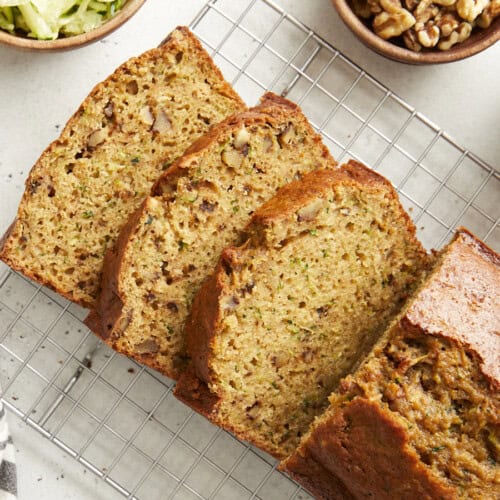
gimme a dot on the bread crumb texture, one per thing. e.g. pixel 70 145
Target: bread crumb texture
pixel 127 131
pixel 199 207
pixel 420 417
pixel 327 264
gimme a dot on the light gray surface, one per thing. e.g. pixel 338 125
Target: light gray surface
pixel 40 91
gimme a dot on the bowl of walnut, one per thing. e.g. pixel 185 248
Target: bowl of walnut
pixel 423 31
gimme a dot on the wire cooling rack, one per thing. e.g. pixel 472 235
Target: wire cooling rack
pixel 119 418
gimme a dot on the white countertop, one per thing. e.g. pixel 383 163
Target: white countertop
pixel 40 91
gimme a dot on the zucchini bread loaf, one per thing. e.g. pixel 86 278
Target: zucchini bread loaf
pixel 197 208
pixel 420 418
pixel 327 263
pixel 127 131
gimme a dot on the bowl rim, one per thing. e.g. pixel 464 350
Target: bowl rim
pixel 478 42
pixel 124 14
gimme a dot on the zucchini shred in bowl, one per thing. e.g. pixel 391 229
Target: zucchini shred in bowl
pixel 61 24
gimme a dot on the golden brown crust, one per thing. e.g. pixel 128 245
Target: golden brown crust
pixel 109 306
pixel 481 247
pixel 271 99
pixel 9 240
pixel 195 393
pixel 461 301
pixel 201 324
pixel 202 321
pixel 319 183
pixel 368 450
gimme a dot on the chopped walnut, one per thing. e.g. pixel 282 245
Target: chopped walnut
pixel 146 115
pixel 462 33
pixel 411 40
pixel 267 144
pixel 253 411
pixel 424 12
pixel 447 23
pixel 470 9
pixel 232 158
pixel 390 25
pixel 429 35
pixel 162 122
pixel 242 138
pixel 489 13
pixel 97 137
pixel 109 110
pixel 309 212
pixel 287 136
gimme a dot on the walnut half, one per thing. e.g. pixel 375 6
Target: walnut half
pixel 489 13
pixel 429 35
pixel 462 33
pixel 390 25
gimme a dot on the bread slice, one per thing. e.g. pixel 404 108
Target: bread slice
pixel 128 130
pixel 197 208
pixel 420 418
pixel 327 263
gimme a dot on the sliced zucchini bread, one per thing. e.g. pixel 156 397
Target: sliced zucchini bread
pixel 420 418
pixel 326 265
pixel 124 135
pixel 196 209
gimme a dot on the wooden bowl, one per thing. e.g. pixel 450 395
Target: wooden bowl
pixel 478 41
pixel 72 42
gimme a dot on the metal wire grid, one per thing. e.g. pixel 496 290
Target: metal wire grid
pixel 119 418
